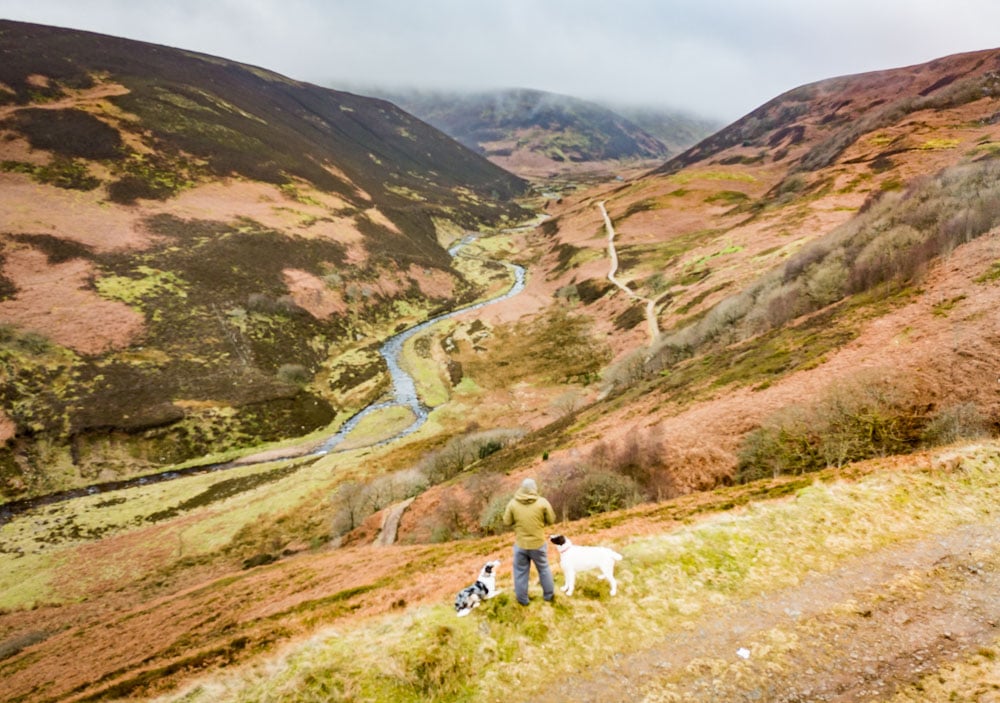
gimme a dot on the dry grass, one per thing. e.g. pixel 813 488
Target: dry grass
pixel 976 678
pixel 426 654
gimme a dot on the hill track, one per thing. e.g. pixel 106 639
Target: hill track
pixel 859 633
pixel 650 305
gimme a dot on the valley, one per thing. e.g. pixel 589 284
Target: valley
pixel 764 369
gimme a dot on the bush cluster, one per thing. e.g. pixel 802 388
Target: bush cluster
pixel 614 475
pixel 356 500
pixel 872 414
pixel 462 451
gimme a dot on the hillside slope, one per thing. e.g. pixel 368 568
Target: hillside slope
pixel 774 287
pixel 805 452
pixel 214 236
pixel 534 133
pixel 835 582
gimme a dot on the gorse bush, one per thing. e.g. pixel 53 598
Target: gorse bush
pixel 491 517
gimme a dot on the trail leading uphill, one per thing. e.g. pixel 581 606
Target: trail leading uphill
pixel 650 304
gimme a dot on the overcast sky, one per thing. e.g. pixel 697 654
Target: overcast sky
pixel 716 58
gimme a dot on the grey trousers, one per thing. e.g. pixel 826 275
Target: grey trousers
pixel 522 565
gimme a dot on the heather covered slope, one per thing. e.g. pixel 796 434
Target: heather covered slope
pixel 791 303
pixel 190 244
pixel 810 127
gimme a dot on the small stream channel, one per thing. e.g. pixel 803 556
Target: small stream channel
pixel 404 393
pixel 404 390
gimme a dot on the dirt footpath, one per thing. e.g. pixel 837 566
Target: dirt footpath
pixel 859 633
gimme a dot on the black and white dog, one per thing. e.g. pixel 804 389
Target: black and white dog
pixel 484 588
pixel 574 559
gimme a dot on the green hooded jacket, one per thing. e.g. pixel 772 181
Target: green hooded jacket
pixel 529 513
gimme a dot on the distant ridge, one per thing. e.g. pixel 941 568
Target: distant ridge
pixel 531 131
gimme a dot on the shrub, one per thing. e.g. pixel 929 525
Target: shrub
pixel 953 424
pixel 491 517
pixel 295 374
pixel 827 282
pixel 491 446
pixel 786 444
pixel 355 500
pixel 351 506
pixel 872 414
pixel 449 520
pixel 604 491
pixel 626 371
pixel 462 451
pixel 578 492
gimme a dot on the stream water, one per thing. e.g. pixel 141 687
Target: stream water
pixel 404 390
pixel 404 393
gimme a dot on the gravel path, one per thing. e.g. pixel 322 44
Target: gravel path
pixel 652 323
pixel 854 634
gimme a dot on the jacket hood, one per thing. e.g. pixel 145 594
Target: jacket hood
pixel 526 495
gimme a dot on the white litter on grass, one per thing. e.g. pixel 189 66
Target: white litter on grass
pixel 743 653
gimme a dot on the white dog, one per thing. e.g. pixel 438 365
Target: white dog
pixel 574 558
pixel 484 588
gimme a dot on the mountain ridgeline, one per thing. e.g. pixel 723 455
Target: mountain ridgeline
pixel 186 242
pixel 830 115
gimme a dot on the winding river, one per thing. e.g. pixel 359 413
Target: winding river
pixel 404 393
pixel 404 390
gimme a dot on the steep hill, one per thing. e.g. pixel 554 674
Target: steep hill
pixel 534 133
pixel 795 459
pixel 188 244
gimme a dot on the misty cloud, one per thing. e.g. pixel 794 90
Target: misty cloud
pixel 719 58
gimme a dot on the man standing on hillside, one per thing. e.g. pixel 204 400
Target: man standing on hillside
pixel 529 513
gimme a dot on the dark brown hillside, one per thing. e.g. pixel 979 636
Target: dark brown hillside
pixel 188 244
pixel 808 127
pixel 240 120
